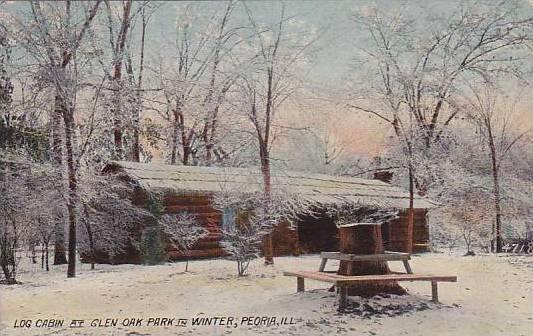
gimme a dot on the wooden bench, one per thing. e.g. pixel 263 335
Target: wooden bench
pixel 345 281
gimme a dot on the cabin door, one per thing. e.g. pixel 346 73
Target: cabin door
pixel 317 234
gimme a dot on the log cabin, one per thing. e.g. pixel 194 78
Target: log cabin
pixel 192 188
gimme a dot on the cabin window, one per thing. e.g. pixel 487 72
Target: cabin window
pixel 228 219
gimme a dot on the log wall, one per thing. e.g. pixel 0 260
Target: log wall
pixel 207 216
pixel 285 240
pixel 398 232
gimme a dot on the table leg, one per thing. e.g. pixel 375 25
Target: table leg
pixel 407 267
pixel 343 292
pixel 300 284
pixel 322 264
pixel 434 292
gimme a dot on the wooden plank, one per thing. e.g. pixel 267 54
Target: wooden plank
pixel 347 280
pixel 300 284
pixel 309 274
pixel 313 275
pixel 365 257
pixel 399 253
pixel 397 277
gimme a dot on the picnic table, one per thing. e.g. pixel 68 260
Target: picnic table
pixel 343 282
pixel 363 267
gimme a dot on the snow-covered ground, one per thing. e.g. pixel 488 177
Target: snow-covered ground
pixel 493 296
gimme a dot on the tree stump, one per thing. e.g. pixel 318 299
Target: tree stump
pixel 365 238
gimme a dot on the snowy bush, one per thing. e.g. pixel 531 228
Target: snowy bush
pixel 242 245
pixel 15 216
pixel 184 231
pixel 107 217
pixel 250 217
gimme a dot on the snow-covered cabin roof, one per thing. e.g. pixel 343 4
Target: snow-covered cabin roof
pixel 319 188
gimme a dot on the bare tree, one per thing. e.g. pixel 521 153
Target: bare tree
pixel 221 80
pixel 20 179
pixel 56 48
pixel 6 85
pixel 46 204
pixel 420 68
pixel 196 85
pixel 118 45
pixel 494 123
pixel 268 82
pixel 136 122
pixel 12 189
pixel 181 88
pixel 125 96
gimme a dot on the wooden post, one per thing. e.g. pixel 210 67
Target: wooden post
pixel 365 238
pixel 300 284
pixel 434 292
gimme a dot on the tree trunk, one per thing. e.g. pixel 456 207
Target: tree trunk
pixel 493 237
pixel 72 187
pixel 46 257
pixel 174 146
pixel 496 191
pixel 90 236
pixel 117 135
pixel 178 132
pixel 136 150
pixel 186 154
pixel 365 238
pixel 411 212
pixel 117 77
pixel 268 248
pixel 42 257
pixel 57 143
pixel 60 111
pixel 60 257
pixel 33 254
